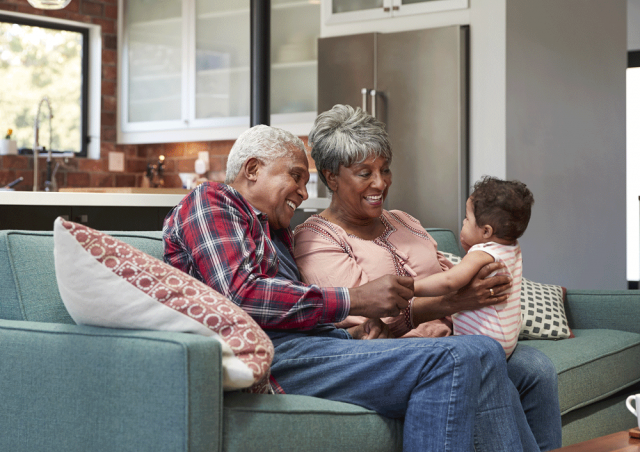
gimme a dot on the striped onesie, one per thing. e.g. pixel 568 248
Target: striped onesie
pixel 502 321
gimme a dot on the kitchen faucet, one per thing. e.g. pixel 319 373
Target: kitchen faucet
pixel 154 177
pixel 36 129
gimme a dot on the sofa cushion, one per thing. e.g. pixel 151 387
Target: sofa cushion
pixel 446 240
pixel 543 315
pixel 304 423
pixel 28 287
pixel 106 282
pixel 593 365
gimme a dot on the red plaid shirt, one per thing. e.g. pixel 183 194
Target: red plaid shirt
pixel 216 236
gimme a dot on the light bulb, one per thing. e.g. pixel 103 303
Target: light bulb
pixel 49 4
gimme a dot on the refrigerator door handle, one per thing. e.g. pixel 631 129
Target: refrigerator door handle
pixel 364 92
pixel 373 102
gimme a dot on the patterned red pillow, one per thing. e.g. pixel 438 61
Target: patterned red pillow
pixel 106 282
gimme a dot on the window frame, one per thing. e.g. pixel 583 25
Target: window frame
pixel 633 60
pixel 91 73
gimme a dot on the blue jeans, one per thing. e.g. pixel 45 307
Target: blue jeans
pixel 536 380
pixel 453 393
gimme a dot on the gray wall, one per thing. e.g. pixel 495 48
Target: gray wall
pixel 565 114
pixel 633 24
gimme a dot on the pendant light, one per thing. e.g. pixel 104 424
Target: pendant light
pixel 49 4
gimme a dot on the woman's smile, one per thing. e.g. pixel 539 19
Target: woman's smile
pixel 375 199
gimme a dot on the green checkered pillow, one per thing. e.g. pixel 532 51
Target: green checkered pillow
pixel 542 307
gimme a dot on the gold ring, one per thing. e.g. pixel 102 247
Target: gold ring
pixel 491 292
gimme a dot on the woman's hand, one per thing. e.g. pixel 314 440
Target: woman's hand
pixel 371 329
pixel 481 291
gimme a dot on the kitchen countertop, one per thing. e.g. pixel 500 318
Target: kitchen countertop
pixel 139 190
pixel 113 199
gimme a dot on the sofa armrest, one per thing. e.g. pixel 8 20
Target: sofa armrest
pixel 604 309
pixel 79 388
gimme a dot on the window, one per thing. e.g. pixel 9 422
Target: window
pixel 37 59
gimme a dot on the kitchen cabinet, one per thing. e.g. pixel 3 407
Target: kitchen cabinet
pixel 185 68
pixel 340 11
pixel 36 211
pixel 105 218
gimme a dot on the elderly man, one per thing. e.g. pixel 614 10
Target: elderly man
pixel 453 393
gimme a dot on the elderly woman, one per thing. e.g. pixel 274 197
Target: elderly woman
pixel 355 240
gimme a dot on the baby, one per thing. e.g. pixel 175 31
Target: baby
pixel 498 213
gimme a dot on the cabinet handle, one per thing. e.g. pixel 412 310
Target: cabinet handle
pixel 373 102
pixel 364 92
pixel 396 8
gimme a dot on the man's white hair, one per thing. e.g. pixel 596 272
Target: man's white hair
pixel 264 143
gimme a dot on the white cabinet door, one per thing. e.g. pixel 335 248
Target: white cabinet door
pixel 221 46
pixel 341 11
pixel 153 64
pixel 408 7
pixel 185 68
pixel 295 29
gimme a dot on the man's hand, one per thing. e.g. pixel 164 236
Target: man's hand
pixel 481 292
pixel 371 329
pixel 383 297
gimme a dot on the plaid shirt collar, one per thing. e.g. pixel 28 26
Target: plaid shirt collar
pixel 284 234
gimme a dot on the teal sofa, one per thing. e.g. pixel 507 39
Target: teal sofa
pixel 71 388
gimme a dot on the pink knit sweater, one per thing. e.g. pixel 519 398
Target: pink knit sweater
pixel 330 257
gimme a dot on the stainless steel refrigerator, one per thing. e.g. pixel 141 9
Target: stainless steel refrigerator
pixel 415 82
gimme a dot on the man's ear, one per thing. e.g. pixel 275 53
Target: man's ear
pixel 332 183
pixel 250 168
pixel 487 231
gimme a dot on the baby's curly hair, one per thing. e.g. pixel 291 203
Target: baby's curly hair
pixel 504 205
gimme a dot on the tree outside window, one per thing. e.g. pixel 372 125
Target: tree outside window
pixel 38 61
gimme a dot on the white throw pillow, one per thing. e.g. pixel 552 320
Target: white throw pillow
pixel 108 283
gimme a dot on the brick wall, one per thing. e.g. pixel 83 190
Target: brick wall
pixel 179 157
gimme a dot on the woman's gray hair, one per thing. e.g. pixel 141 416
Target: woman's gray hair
pixel 264 143
pixel 343 136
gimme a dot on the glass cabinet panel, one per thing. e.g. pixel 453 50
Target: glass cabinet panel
pixel 345 6
pixel 343 11
pixel 154 60
pixel 435 4
pixel 222 58
pixel 295 28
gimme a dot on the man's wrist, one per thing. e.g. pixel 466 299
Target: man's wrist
pixel 353 303
pixel 343 304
